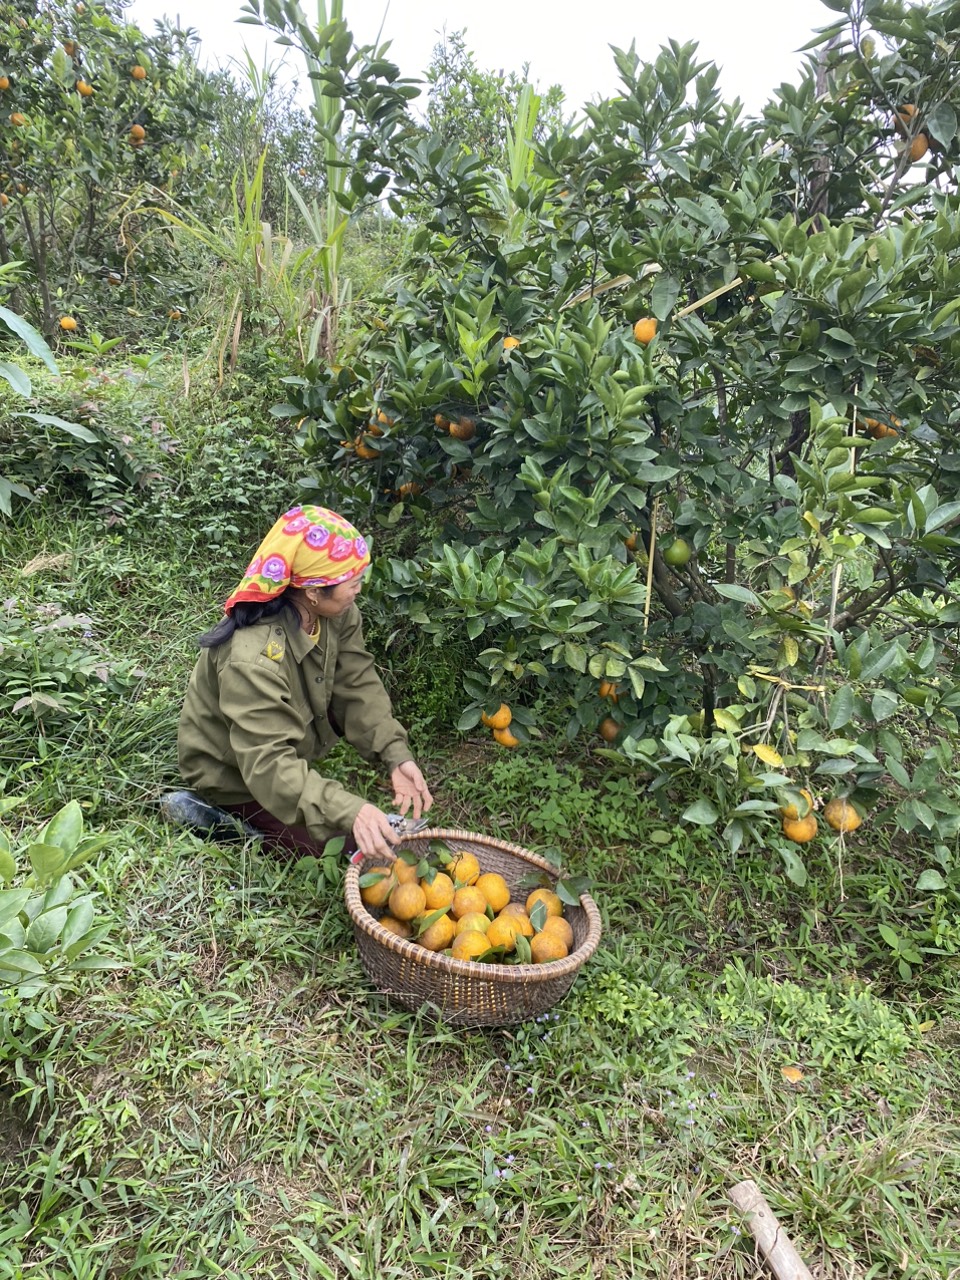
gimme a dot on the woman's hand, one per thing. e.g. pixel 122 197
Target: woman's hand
pixel 409 787
pixel 374 834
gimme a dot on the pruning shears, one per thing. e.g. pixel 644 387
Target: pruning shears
pixel 406 826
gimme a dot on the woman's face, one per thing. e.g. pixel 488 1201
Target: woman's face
pixel 332 603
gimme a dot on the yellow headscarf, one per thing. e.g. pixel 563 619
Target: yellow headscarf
pixel 308 547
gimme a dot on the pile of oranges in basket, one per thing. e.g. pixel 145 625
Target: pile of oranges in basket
pixel 467 913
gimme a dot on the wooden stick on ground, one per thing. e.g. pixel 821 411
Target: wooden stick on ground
pixel 772 1241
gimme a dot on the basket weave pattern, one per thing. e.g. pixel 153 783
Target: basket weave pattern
pixel 466 992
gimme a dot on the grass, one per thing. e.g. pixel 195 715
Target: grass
pixel 236 1101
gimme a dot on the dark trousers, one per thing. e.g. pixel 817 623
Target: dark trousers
pixel 286 841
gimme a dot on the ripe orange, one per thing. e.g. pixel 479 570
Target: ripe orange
pixel 4 83
pixel 467 900
pixel 500 719
pixel 463 429
pixel 402 928
pixel 384 419
pixel 919 147
pixel 513 909
pixel 509 343
pixel 549 899
pixel 467 946
pixel 376 894
pixel 547 946
pixel 18 119
pixel 494 889
pixel 439 935
pixel 68 324
pixel 407 901
pixel 363 450
pixel 174 314
pixel 473 922
pixel 609 728
pixel 903 119
pixel 631 542
pixel 410 490
pixel 503 932
pixel 792 812
pixel 442 422
pixel 85 90
pixel 464 869
pixel 522 924
pixel 800 830
pixel 841 815
pixel 506 738
pixel 137 131
pixel 70 48
pixel 4 199
pixel 405 872
pixel 609 690
pixel 438 891
pixel 562 928
pixel 645 330
pixel 138 72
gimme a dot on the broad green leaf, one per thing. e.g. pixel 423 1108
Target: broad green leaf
pixel 64 828
pixel 8 866
pixel 48 861
pixel 71 428
pixel 702 811
pixel 840 710
pixel 79 920
pixel 16 377
pixel 931 881
pixel 12 902
pixel 794 867
pixel 30 336
pixel 45 929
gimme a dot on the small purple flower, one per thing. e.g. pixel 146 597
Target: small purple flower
pixel 712 1093
pixel 488 1128
pixel 317 537
pixel 275 568
pixel 529 1088
pixel 509 1159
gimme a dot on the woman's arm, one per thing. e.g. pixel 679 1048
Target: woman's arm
pixel 360 704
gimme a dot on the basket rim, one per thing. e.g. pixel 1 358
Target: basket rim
pixel 527 974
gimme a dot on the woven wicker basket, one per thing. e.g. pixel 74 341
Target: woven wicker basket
pixel 465 992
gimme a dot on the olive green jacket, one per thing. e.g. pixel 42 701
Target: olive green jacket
pixel 258 713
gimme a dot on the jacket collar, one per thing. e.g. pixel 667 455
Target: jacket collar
pixel 300 642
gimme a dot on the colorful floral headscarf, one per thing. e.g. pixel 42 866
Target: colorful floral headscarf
pixel 307 547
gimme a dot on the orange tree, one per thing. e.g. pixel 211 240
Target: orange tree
pixel 97 120
pixel 739 522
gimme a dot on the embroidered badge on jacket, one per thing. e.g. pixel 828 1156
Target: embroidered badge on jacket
pixel 274 650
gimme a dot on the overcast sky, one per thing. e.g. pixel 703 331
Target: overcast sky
pixel 754 42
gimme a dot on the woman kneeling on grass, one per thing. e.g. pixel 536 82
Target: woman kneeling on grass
pixel 281 677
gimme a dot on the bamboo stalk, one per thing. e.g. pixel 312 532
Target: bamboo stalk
pixel 650 550
pixel 773 1243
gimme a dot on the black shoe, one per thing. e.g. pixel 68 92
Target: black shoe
pixel 187 809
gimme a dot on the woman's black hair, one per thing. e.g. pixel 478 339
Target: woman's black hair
pixel 247 613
